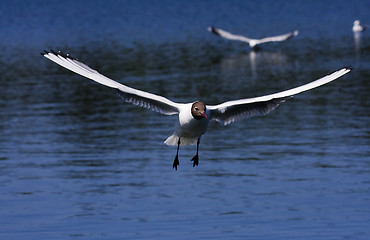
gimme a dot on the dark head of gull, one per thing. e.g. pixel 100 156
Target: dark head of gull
pixel 198 110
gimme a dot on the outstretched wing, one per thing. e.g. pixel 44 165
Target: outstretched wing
pixel 137 97
pixel 231 111
pixel 222 33
pixel 278 38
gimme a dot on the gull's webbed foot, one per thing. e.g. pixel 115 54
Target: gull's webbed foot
pixel 176 162
pixel 195 160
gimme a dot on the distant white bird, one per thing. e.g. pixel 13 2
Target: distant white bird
pixel 357 27
pixel 252 42
pixel 195 116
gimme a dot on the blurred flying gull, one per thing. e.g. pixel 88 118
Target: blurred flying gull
pixel 252 42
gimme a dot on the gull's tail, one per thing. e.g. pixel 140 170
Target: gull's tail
pixel 174 139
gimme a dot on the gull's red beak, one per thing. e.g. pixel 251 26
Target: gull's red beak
pixel 204 115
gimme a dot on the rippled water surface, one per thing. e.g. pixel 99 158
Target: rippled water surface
pixel 78 163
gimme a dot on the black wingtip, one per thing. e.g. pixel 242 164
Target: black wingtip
pixel 44 53
pixel 65 55
pixel 213 30
pixel 68 56
pixel 59 53
pixel 54 52
pixel 349 67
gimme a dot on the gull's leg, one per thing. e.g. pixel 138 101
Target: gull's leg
pixel 195 159
pixel 176 161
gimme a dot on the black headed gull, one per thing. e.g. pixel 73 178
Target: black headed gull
pixel 252 42
pixel 195 116
pixel 357 27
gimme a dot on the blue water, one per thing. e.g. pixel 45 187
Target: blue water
pixel 78 163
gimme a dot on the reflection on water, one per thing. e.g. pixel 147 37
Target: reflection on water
pixel 256 61
pixel 357 43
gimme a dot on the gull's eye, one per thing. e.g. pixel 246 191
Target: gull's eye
pixel 196 108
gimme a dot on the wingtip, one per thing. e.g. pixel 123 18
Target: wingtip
pixel 62 54
pixel 344 70
pixel 213 30
pixel 44 53
pixel 347 69
pixel 53 52
pixel 58 53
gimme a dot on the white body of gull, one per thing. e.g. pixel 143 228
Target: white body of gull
pixel 357 27
pixel 252 42
pixel 195 116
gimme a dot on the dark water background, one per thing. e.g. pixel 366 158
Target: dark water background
pixel 78 163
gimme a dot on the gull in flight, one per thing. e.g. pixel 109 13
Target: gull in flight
pixel 357 27
pixel 193 117
pixel 252 42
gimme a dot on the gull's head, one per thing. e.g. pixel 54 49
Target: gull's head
pixel 198 110
pixel 356 22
